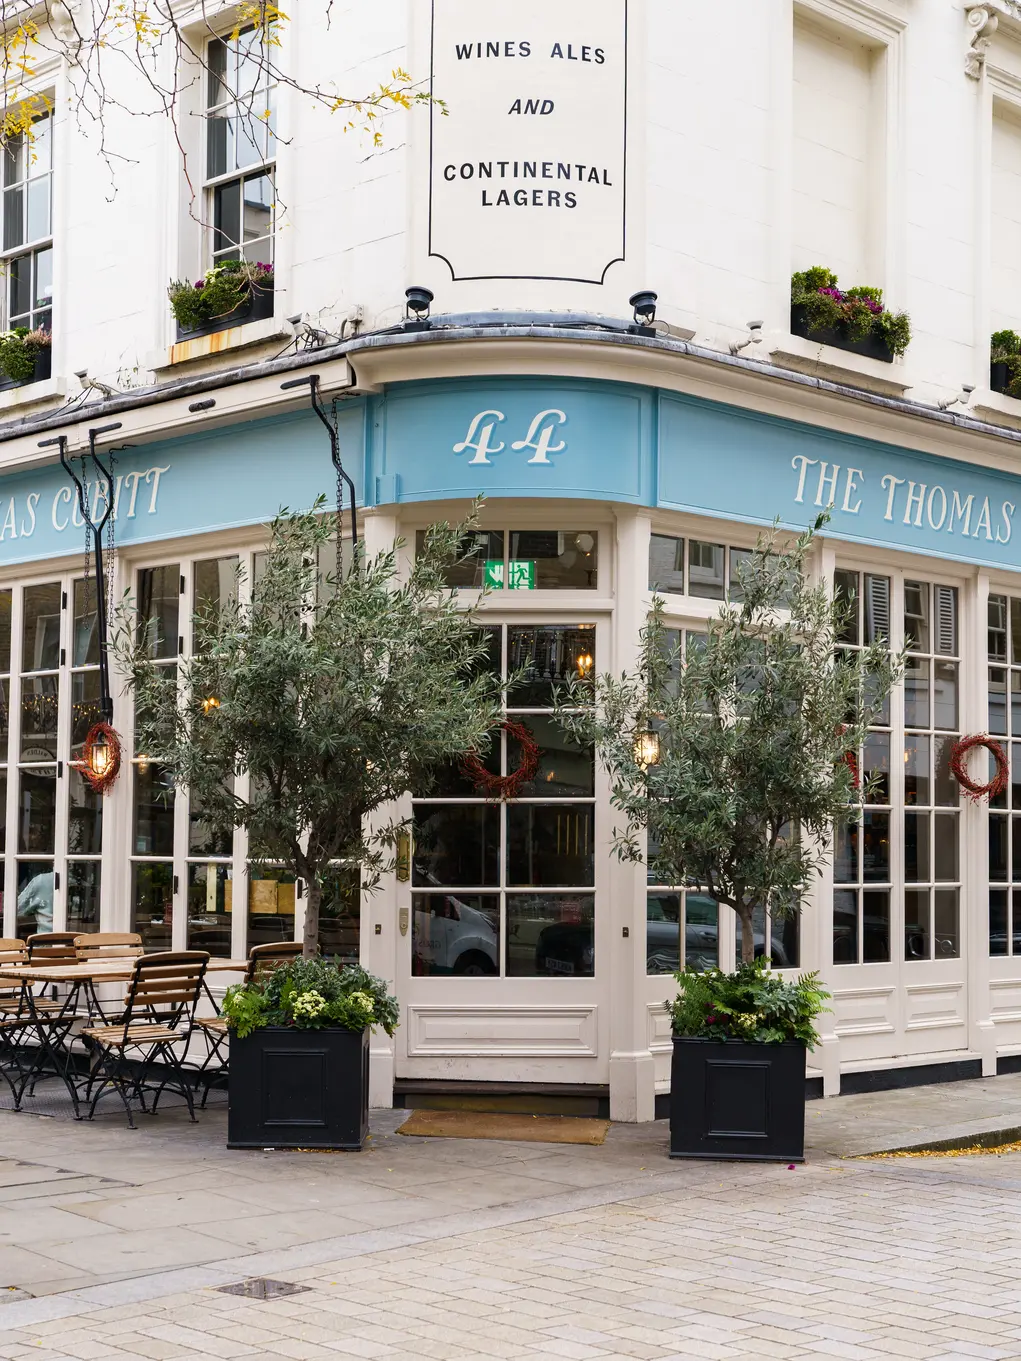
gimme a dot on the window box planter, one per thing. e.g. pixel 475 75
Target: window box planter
pixel 41 371
pixel 258 306
pixel 872 346
pixel 737 1101
pixel 999 376
pixel 292 1088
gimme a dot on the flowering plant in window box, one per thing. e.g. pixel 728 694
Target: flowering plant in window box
pixel 1005 363
pixel 229 294
pixel 853 319
pixel 24 356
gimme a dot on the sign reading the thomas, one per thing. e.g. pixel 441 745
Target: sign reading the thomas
pixel 528 150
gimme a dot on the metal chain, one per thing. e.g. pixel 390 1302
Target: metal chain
pixel 340 506
pixel 88 548
pixel 110 542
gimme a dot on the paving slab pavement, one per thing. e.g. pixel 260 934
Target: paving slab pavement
pixel 560 1250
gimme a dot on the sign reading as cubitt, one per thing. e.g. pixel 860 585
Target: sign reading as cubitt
pixel 528 162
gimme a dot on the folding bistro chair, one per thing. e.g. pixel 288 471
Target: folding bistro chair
pixel 99 947
pixel 52 1018
pixel 12 1027
pixel 262 959
pixel 52 947
pixel 103 945
pixel 159 1016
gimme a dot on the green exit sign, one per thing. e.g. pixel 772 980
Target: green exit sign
pixel 520 575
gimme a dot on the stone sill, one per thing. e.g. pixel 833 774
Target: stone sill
pixel 839 366
pixel 209 353
pixel 995 407
pixel 33 394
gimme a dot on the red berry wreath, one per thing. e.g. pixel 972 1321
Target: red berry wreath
pixel 958 756
pixel 101 757
pixel 505 786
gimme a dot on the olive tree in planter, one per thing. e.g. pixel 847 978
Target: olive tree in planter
pixel 332 693
pixel 299 1060
pixel 304 713
pixel 736 756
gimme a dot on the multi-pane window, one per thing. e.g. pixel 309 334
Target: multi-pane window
pixel 210 886
pixel 508 888
pixel 708 570
pixel 867 882
pixel 85 805
pixel 240 148
pixel 862 868
pixel 28 245
pixel 37 758
pixel 526 560
pixel 153 878
pixel 55 691
pixel 932 856
pixel 6 601
pixel 1005 810
pixel 179 852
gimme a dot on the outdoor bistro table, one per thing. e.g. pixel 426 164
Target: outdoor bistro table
pixel 53 1029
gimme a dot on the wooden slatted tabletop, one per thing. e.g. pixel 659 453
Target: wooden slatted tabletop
pixel 105 971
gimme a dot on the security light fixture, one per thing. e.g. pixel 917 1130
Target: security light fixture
pixel 962 398
pixel 416 313
pixel 94 383
pixel 754 338
pixel 643 304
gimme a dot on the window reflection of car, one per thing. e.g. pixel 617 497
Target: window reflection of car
pixel 917 945
pixel 565 948
pixel 701 936
pixel 451 937
pixel 35 904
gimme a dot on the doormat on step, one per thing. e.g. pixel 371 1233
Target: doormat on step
pixel 531 1129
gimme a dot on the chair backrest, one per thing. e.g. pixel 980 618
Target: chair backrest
pixel 100 945
pixel 263 959
pixel 52 947
pixel 165 987
pixel 13 951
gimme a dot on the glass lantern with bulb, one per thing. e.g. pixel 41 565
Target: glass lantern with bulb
pixel 647 748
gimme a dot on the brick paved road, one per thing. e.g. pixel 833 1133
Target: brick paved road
pixel 914 1258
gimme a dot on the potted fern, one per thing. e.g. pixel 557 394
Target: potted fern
pixel 230 294
pixel 854 319
pixel 739 1045
pixel 299 1055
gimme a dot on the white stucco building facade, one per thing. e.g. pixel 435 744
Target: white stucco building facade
pixel 589 149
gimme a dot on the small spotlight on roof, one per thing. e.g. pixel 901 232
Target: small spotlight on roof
pixel 416 315
pixel 644 305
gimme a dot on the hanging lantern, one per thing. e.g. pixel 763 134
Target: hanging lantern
pixel 584 665
pixel 209 704
pixel 647 748
pixel 101 757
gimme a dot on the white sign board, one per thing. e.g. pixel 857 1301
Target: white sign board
pixel 528 162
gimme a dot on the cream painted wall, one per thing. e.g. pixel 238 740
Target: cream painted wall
pixel 1005 273
pixel 761 135
pixel 837 151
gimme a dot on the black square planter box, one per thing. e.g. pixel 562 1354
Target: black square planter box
pixel 291 1088
pixel 872 346
pixel 999 377
pixel 732 1100
pixel 256 307
pixel 41 371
